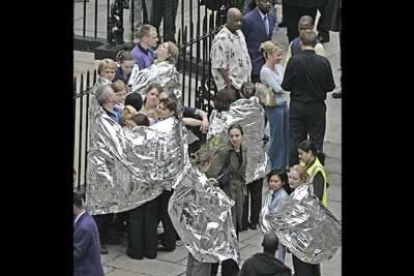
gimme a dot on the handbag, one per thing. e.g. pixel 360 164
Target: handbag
pixel 270 97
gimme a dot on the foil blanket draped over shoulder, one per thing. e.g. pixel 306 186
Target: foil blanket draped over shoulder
pixel 127 168
pixel 250 115
pixel 201 214
pixel 163 73
pixel 306 227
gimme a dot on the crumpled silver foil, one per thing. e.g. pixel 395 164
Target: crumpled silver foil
pixel 250 115
pixel 201 214
pixel 263 220
pixel 306 227
pixel 170 152
pixel 163 73
pixel 127 168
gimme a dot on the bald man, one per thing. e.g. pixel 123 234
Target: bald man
pixel 265 264
pixel 230 61
pixel 305 23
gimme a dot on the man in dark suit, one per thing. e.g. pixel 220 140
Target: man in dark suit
pixel 86 248
pixel 257 28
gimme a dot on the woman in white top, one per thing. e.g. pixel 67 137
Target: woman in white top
pixel 278 115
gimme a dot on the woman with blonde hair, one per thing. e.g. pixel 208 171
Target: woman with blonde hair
pixel 298 180
pixel 276 109
pixel 106 69
pixel 162 72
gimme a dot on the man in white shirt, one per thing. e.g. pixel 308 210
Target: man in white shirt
pixel 230 61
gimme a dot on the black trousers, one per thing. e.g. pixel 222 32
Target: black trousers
pixel 103 222
pixel 142 231
pixel 306 119
pixel 254 189
pixel 255 78
pixel 170 235
pixel 228 267
pixel 166 9
pixel 305 269
pixel 293 14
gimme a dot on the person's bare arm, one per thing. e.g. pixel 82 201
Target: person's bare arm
pixel 225 74
pixel 204 124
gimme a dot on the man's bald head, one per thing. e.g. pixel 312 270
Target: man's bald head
pixel 234 19
pixel 270 243
pixel 305 23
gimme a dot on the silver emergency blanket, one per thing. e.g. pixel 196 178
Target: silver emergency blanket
pixel 250 115
pixel 201 214
pixel 263 219
pixel 127 168
pixel 306 227
pixel 163 73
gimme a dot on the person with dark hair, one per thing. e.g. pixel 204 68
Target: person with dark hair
pixel 126 63
pixel 265 264
pixel 308 155
pixel 86 247
pixel 229 168
pixel 257 28
pixel 151 102
pixel 166 108
pixel 224 99
pixel 294 9
pixel 308 77
pixel 305 23
pixel 140 120
pixel 278 183
pixel 134 100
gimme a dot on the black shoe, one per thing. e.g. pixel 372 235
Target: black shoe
pixel 266 139
pixel 165 249
pixel 125 5
pixel 337 95
pixel 323 37
pixel 253 226
pixel 282 24
pixel 104 250
pixel 129 254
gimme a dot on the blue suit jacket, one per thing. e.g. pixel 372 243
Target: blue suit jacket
pixel 86 248
pixel 254 30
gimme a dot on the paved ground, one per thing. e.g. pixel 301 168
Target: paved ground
pixel 173 264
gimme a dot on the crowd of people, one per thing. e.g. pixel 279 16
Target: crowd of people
pixel 139 89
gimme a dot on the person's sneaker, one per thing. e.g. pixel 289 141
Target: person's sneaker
pixel 337 95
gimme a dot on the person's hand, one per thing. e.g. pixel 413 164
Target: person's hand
pixel 204 126
pixel 213 181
